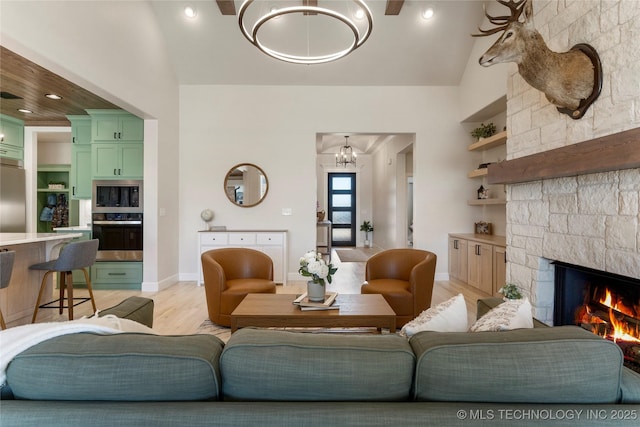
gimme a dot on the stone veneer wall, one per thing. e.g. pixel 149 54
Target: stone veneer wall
pixel 590 220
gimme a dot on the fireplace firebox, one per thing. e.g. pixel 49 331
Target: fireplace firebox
pixel 605 303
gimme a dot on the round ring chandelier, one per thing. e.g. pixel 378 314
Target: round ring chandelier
pixel 251 26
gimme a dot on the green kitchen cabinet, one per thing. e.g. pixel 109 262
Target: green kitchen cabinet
pixel 115 125
pixel 80 130
pixel 53 181
pixel 118 160
pixel 11 137
pixel 80 174
pixel 116 275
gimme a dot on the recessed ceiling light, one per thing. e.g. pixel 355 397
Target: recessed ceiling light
pixel 190 12
pixel 24 110
pixel 53 96
pixel 427 14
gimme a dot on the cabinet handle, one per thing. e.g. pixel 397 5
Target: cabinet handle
pixel 455 244
pixel 119 171
pixel 73 139
pixel 115 135
pixel 73 191
pixel 117 274
pixel 119 135
pixel 114 172
pixel 477 249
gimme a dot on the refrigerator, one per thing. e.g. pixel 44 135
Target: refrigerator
pixel 13 201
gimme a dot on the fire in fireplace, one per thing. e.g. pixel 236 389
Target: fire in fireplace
pixel 605 303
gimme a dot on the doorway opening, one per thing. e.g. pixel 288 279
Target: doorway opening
pixel 342 208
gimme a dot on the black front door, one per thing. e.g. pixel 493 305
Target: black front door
pixel 342 208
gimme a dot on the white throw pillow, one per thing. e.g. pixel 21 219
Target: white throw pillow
pixel 511 314
pixel 448 316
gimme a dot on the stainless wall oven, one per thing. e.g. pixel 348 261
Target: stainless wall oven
pixel 114 196
pixel 119 234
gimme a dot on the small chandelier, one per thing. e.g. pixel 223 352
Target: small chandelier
pixel 306 34
pixel 346 156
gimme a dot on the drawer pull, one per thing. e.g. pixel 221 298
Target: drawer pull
pixel 117 274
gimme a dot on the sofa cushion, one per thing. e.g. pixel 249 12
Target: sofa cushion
pixel 262 364
pixel 120 367
pixel 133 308
pixel 564 364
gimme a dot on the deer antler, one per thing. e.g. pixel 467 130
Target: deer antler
pixel 502 21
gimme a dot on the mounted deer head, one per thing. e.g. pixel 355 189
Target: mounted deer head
pixel 570 80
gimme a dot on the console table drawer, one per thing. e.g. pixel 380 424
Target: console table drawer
pixel 269 238
pixel 242 239
pixel 214 239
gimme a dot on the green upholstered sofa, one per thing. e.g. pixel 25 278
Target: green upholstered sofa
pixel 539 376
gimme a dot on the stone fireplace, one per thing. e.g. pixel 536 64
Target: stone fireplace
pixel 573 186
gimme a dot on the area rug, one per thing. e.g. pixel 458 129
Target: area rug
pixel 224 332
pixel 354 255
pixel 210 328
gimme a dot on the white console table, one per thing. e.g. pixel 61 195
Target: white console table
pixel 271 242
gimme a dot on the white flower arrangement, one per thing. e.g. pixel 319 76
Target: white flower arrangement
pixel 314 266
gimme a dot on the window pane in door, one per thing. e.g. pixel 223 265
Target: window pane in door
pixel 341 200
pixel 341 183
pixel 341 235
pixel 341 217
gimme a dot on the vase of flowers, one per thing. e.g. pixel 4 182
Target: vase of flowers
pixel 312 265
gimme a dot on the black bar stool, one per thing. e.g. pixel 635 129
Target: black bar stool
pixel 6 267
pixel 78 255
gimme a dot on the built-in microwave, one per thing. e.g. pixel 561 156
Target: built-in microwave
pixel 113 196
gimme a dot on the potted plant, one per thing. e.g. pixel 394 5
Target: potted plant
pixel 366 227
pixel 510 291
pixel 483 131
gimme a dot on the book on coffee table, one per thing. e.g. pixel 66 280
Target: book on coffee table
pixel 328 304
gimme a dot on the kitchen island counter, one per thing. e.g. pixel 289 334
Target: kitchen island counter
pixel 7 239
pixel 17 301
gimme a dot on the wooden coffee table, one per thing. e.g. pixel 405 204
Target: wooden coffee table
pixel 278 310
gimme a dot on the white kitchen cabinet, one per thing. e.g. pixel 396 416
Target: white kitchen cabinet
pixel 271 242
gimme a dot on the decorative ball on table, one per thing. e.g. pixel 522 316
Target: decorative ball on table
pixel 207 217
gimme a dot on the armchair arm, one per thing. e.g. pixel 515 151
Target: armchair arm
pixel 213 273
pixel 421 282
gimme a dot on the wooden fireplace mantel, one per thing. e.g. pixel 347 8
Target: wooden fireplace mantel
pixel 608 153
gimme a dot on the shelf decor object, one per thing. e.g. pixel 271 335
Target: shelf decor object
pixel 311 33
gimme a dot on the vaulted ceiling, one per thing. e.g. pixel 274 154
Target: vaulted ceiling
pixel 403 50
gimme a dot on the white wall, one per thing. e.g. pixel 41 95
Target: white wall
pixel 481 87
pixel 275 128
pixel 125 62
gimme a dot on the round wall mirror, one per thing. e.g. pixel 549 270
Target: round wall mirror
pixel 246 185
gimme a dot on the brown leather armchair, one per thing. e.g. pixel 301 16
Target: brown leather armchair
pixel 404 277
pixel 232 273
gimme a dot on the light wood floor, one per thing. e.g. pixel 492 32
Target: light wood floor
pixel 181 308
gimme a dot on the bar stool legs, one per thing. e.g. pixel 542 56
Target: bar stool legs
pixel 66 283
